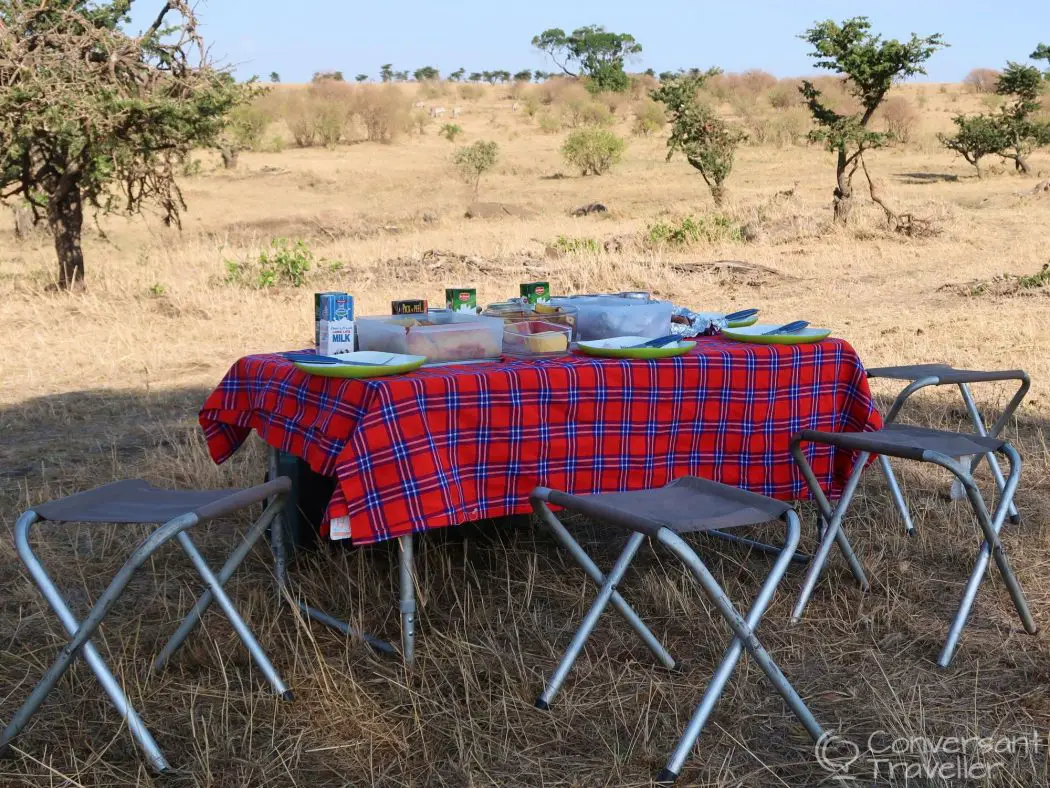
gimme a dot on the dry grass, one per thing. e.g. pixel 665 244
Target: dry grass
pixel 106 384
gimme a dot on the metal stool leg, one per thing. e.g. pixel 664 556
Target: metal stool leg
pixel 192 619
pixel 241 628
pixel 832 531
pixel 563 536
pixel 590 620
pixel 991 548
pixel 993 463
pixel 745 639
pixel 81 633
pixel 732 656
pixel 898 496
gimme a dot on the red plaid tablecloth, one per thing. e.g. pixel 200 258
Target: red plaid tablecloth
pixel 446 445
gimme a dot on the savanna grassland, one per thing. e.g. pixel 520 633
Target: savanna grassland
pixel 105 383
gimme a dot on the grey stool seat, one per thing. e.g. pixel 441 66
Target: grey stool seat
pixel 907 441
pixel 138 501
pixel 175 512
pixel 945 373
pixel 686 505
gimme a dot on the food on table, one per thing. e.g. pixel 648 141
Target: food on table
pixel 409 306
pixel 601 317
pixel 440 336
pixel 536 292
pixel 536 338
pixel 461 299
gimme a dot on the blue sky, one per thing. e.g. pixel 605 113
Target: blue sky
pixel 295 39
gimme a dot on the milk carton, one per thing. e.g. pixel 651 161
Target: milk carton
pixel 336 332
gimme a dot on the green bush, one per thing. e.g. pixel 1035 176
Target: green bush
pixel 286 263
pixel 548 123
pixel 450 131
pixel 569 245
pixel 248 124
pixel 714 228
pixel 593 151
pixel 473 161
pixel 649 118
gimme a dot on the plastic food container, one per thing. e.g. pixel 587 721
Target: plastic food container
pixel 603 317
pixel 536 339
pixel 440 336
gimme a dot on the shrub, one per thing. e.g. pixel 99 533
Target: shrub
pixel 548 123
pixel 715 228
pixel 383 111
pixel 473 161
pixel 595 113
pixel 450 131
pixel 649 118
pixel 248 124
pixel 785 95
pixel 469 92
pixel 569 245
pixel 900 118
pixel 286 263
pixel 982 80
pixel 572 99
pixel 420 120
pixel 593 151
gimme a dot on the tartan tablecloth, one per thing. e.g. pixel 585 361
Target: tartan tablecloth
pixel 446 445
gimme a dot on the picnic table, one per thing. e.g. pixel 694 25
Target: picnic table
pixel 447 445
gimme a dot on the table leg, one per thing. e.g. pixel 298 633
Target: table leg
pixel 408 600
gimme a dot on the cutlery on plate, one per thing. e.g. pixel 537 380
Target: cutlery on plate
pixel 660 342
pixel 743 314
pixel 788 328
pixel 312 358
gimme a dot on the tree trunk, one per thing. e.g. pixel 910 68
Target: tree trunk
pixel 1022 165
pixel 719 193
pixel 23 217
pixel 65 217
pixel 843 190
pixel 229 156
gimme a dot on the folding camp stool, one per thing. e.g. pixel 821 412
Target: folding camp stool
pixel 175 511
pixel 687 505
pixel 922 445
pixel 919 376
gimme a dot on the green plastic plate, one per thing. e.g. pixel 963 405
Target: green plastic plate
pixel 375 365
pixel 756 334
pixel 621 347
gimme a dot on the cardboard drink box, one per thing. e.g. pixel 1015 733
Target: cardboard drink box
pixel 536 292
pixel 409 306
pixel 317 313
pixel 461 299
pixel 336 334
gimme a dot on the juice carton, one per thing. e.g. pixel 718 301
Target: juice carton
pixel 536 292
pixel 409 306
pixel 336 334
pixel 317 313
pixel 461 299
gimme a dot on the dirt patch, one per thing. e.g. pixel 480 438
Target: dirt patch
pixel 498 210
pixel 735 271
pixel 323 228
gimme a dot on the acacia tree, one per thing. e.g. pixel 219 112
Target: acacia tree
pixel 596 53
pixel 386 72
pixel 425 73
pixel 706 141
pixel 1021 131
pixel 871 65
pixel 975 137
pixel 92 115
pixel 1042 52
